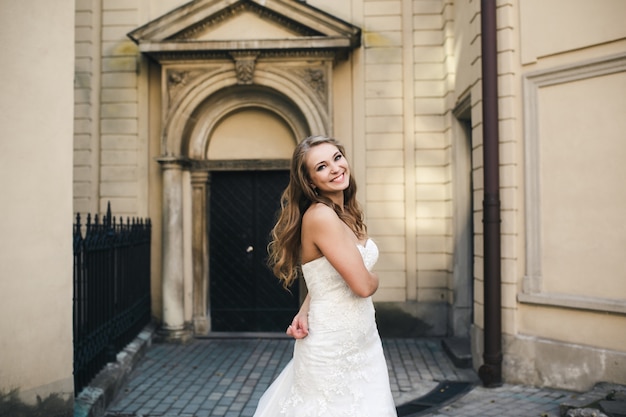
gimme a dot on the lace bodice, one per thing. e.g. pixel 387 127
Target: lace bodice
pixel 333 304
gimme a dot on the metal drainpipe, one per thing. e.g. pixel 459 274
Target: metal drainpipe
pixel 491 371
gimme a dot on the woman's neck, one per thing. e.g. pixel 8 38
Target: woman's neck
pixel 336 198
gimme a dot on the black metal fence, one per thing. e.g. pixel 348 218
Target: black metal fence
pixel 111 290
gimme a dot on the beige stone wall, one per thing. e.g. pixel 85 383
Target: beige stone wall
pixel 115 140
pixel 572 290
pixel 384 143
pixel 399 142
pixel 86 108
pixel 36 105
pixel 465 82
pixel 111 149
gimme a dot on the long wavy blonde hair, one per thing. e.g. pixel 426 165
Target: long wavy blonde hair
pixel 285 247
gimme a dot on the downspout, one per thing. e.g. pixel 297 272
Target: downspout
pixel 491 371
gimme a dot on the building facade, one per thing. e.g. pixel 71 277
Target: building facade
pixel 175 97
pixel 182 108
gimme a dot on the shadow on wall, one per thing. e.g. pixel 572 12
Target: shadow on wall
pixel 52 406
pixel 394 321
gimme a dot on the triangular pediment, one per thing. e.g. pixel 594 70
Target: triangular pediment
pixel 205 28
pixel 245 26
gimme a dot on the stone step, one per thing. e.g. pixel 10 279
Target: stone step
pixel 458 350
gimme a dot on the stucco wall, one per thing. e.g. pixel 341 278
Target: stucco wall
pixel 36 105
pixel 572 293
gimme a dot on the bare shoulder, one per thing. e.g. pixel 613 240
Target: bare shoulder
pixel 320 227
pixel 319 214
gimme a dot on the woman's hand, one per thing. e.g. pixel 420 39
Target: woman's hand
pixel 299 328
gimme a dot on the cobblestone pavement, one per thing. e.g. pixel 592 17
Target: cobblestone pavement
pixel 226 378
pixel 508 401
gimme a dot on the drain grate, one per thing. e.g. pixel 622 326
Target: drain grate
pixel 442 394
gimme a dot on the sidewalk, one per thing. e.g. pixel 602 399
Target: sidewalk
pixel 226 377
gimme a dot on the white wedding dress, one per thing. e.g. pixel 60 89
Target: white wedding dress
pixel 339 369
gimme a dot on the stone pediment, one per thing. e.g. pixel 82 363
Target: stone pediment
pixel 205 29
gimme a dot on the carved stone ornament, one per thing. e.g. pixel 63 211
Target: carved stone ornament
pixel 316 79
pixel 175 78
pixel 244 66
pixel 179 78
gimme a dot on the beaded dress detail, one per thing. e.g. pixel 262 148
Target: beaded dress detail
pixel 339 369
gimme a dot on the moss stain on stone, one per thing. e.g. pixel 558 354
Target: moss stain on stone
pixel 52 406
pixel 372 39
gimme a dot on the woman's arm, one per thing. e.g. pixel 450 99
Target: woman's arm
pixel 299 327
pixel 334 240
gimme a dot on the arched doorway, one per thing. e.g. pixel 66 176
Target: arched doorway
pixel 244 295
pixel 240 140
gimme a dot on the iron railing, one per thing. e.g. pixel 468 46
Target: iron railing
pixel 111 290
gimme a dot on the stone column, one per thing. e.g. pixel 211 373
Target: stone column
pixel 173 327
pixel 200 253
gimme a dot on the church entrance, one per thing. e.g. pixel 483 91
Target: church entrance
pixel 245 296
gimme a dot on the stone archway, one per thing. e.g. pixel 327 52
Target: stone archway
pixel 194 112
pixel 201 131
pixel 209 69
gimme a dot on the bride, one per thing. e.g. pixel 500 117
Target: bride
pixel 338 367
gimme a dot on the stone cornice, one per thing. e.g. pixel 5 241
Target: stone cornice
pixel 213 51
pixel 262 44
pixel 172 162
pixel 177 35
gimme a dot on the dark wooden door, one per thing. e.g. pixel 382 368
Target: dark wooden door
pixel 245 295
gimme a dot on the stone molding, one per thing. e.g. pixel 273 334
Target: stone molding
pixel 532 284
pixel 275 87
pixel 200 197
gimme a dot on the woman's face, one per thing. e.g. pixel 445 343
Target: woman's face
pixel 328 169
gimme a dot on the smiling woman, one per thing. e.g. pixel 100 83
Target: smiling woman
pixel 330 172
pixel 338 366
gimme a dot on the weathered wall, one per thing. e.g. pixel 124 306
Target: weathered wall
pixel 36 105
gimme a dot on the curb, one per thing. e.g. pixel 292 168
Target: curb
pixel 94 399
